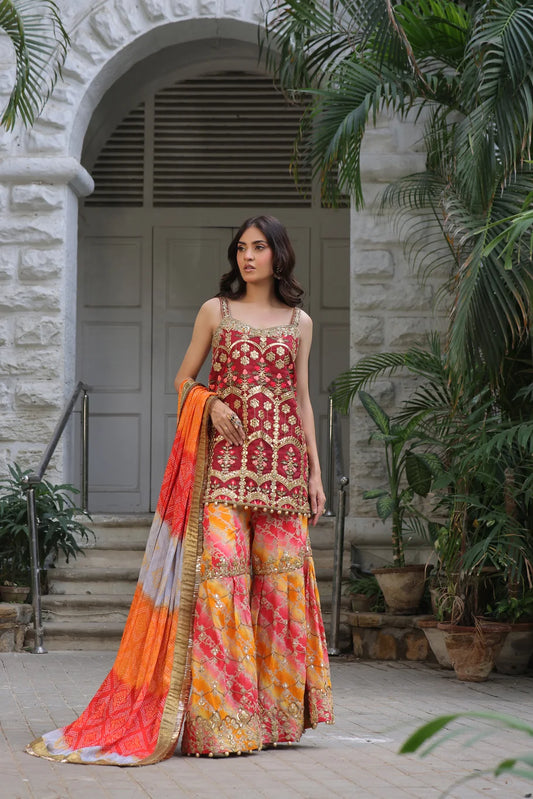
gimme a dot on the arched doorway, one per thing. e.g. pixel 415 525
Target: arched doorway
pixel 179 160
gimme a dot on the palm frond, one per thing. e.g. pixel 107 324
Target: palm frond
pixel 40 42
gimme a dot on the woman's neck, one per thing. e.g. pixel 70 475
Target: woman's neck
pixel 261 295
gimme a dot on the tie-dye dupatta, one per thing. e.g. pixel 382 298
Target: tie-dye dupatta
pixel 135 718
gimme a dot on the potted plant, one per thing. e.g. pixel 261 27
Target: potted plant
pixel 59 527
pixel 365 593
pixel 410 472
pixel 517 649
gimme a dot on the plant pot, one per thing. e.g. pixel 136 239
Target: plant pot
pixel 514 656
pixel 436 640
pixel 14 593
pixel 361 603
pixel 473 650
pixel 402 587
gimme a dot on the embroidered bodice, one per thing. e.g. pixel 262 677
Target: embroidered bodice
pixel 253 371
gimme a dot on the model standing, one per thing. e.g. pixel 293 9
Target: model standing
pixel 224 644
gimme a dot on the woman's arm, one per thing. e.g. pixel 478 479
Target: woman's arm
pixel 205 325
pixel 317 498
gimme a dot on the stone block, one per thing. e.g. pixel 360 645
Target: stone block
pixel 8 262
pixel 384 647
pixel 107 27
pixel 29 298
pixel 369 298
pixel 408 331
pixel 37 331
pixel 208 8
pixel 28 426
pixel 8 613
pixel 45 142
pixel 5 333
pixel 416 646
pixel 181 8
pixel 5 396
pixel 233 7
pixel 28 230
pixel 39 264
pixel 154 9
pixel 130 16
pixel 373 264
pixel 37 395
pixel 368 228
pixel 368 330
pixel 84 44
pixel 7 637
pixel 18 363
pixel 36 197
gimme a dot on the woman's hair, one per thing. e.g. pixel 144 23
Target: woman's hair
pixel 287 289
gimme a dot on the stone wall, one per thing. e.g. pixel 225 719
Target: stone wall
pixel 390 311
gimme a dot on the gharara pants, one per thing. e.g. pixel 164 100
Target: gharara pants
pixel 260 672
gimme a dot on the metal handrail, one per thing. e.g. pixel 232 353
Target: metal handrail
pixel 335 463
pixel 33 479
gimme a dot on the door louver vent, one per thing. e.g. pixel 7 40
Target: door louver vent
pixel 225 140
pixel 219 140
pixel 119 169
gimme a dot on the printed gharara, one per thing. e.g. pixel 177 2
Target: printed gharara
pixel 224 643
pixel 136 716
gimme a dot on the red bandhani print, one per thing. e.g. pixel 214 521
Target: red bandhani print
pixel 136 716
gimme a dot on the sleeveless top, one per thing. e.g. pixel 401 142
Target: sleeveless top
pixel 253 371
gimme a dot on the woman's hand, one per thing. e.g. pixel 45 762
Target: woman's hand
pixel 227 423
pixel 317 498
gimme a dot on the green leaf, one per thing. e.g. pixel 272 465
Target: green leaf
pixel 385 506
pixel 418 472
pixel 376 413
pixel 374 493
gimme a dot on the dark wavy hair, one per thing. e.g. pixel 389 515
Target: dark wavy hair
pixel 287 288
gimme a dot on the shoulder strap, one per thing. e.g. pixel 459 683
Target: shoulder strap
pixel 295 320
pixel 224 308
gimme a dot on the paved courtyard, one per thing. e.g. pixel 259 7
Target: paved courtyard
pixel 377 706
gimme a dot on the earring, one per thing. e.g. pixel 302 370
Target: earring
pixel 277 272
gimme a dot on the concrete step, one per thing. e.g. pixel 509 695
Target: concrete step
pixel 86 608
pixel 111 557
pixel 75 636
pixel 92 580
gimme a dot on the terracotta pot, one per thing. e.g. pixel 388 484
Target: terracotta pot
pixel 361 603
pixel 515 654
pixel 402 587
pixel 14 593
pixel 473 650
pixel 436 640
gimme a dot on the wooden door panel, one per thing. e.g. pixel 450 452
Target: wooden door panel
pixel 114 359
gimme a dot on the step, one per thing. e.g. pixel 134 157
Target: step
pixel 97 580
pixel 106 635
pixel 105 557
pixel 75 636
pixel 86 608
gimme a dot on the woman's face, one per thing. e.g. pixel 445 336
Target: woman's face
pixel 254 256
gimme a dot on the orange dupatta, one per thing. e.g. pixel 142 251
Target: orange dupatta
pixel 136 716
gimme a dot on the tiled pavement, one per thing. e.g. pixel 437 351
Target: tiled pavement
pixel 377 706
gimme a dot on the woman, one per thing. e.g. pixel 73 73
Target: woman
pixel 224 644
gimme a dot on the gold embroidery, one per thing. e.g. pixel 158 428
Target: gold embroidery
pixel 277 565
pixel 269 470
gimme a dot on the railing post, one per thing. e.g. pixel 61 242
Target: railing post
pixel 329 474
pixel 333 648
pixel 85 452
pixel 38 647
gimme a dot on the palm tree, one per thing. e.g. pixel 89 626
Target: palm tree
pixel 466 69
pixel 40 42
